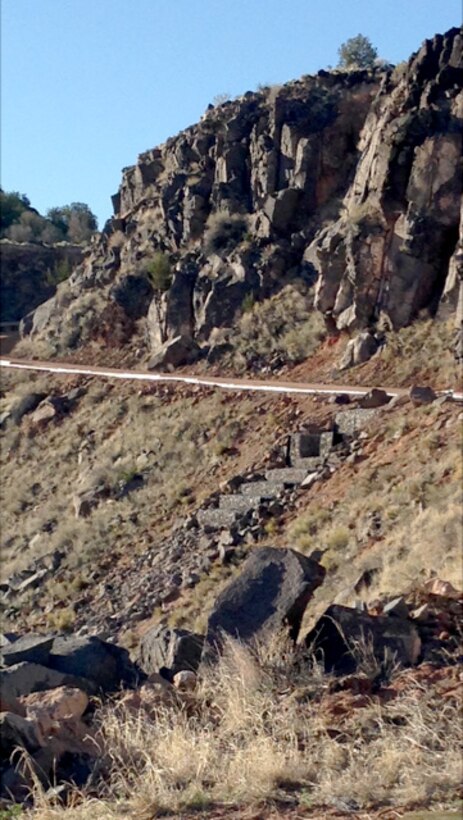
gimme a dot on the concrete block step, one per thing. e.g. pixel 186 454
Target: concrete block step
pixel 308 464
pixel 241 503
pixel 288 475
pixel 350 422
pixel 214 519
pixel 264 489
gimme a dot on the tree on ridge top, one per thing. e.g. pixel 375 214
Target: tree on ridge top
pixel 357 52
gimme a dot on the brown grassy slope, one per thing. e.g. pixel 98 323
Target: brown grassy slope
pixel 419 354
pixel 407 478
pixel 262 743
pixel 186 441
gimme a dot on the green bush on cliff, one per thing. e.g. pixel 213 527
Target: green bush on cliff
pixel 159 272
pixel 60 271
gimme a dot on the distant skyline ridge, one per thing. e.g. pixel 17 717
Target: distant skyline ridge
pixel 87 87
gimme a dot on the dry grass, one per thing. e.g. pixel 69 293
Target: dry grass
pixel 163 438
pixel 258 731
pixel 425 349
pixel 285 325
pixel 182 443
pixel 410 484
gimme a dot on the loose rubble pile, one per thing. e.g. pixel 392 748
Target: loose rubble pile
pixel 46 689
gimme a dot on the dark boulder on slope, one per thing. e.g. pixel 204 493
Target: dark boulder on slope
pixel 106 665
pixel 29 648
pixel 24 678
pixel 133 294
pixel 270 593
pixel 170 650
pixel 343 639
pixel 178 351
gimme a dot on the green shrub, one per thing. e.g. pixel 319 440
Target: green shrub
pixel 248 303
pixel 61 270
pixel 357 52
pixel 159 272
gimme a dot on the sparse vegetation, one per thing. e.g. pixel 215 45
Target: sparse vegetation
pixel 220 99
pixel 59 273
pixel 424 347
pixel 128 505
pixel 285 325
pixel 399 71
pixel 224 232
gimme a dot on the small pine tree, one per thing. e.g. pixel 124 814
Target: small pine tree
pixel 358 52
pixel 159 272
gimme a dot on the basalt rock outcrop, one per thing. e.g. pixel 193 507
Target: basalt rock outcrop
pixel 396 247
pixel 348 182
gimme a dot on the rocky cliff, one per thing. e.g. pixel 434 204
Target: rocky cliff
pixel 347 182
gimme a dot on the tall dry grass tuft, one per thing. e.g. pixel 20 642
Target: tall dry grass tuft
pixel 284 325
pixel 256 734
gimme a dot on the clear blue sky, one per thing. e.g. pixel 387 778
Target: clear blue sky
pixel 87 85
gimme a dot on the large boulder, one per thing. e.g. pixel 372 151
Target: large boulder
pixel 178 351
pixel 170 650
pixel 343 639
pixel 374 398
pixel 26 404
pixel 24 678
pixel 107 666
pixel 358 350
pixel 58 711
pixel 34 322
pixel 30 648
pixel 270 593
pixel 421 395
pixel 16 732
pixel 282 208
pixel 171 314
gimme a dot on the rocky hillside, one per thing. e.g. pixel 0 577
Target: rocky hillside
pixel 145 526
pixel 345 183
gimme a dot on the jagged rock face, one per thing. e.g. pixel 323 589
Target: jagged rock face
pixel 351 177
pixel 391 250
pixel 277 161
